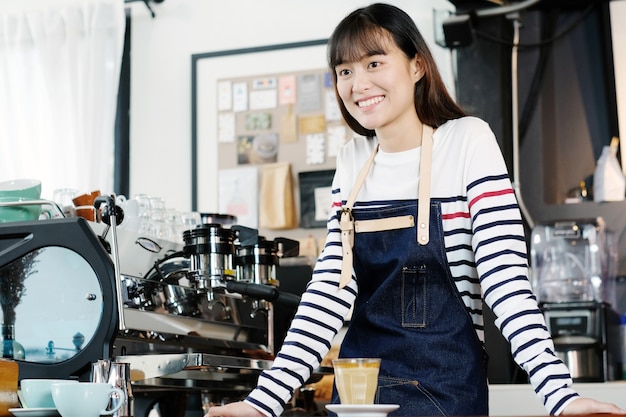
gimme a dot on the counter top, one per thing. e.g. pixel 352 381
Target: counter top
pixel 521 400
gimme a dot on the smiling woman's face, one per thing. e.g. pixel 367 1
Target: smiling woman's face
pixel 377 88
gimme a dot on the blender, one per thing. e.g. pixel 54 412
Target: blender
pixel 573 275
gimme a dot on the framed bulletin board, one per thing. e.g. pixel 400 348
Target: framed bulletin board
pixel 279 117
pixel 264 120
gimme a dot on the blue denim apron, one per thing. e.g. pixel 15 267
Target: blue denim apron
pixel 409 313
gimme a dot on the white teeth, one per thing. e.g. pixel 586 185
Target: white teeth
pixel 370 101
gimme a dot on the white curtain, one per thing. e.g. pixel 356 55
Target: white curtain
pixel 59 74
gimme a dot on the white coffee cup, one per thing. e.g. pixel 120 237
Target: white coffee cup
pixel 37 393
pixel 86 399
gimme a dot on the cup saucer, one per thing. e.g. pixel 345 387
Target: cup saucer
pixel 34 412
pixel 362 410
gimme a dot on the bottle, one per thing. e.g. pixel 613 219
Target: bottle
pixel 609 183
pixel 584 194
pixel 11 348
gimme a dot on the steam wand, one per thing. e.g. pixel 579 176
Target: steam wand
pixel 109 216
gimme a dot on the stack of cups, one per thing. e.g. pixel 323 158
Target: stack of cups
pixel 84 207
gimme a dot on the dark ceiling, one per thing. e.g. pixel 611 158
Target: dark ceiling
pixel 471 5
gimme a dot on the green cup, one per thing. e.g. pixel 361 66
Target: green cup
pixel 21 188
pixel 18 213
pixel 15 191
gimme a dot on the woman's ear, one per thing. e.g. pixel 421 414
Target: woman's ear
pixel 417 68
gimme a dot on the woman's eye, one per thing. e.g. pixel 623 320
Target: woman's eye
pixel 374 64
pixel 344 72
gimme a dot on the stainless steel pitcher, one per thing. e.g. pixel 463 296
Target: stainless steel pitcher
pixel 117 374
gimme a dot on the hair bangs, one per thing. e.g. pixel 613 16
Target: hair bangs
pixel 352 42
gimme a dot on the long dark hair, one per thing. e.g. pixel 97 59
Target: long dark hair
pixel 366 30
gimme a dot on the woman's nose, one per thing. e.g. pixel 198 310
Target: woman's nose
pixel 360 81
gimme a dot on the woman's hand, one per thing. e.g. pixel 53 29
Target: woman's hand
pixel 237 409
pixel 590 406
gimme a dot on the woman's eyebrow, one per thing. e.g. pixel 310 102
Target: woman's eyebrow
pixel 367 54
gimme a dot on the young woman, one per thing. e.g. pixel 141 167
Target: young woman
pixel 425 227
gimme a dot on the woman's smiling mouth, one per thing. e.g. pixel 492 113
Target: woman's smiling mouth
pixel 370 101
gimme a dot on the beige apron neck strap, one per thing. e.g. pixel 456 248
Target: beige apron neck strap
pixel 360 179
pixel 423 202
pixel 346 223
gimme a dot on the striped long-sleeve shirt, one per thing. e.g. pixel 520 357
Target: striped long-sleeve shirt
pixel 485 250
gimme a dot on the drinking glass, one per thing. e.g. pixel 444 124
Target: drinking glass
pixel 356 379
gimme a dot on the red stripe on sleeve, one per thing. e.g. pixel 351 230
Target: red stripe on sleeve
pixel 490 194
pixel 459 214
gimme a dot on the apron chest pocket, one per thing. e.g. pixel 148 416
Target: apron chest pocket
pixel 413 296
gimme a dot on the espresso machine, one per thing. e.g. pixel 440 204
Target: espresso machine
pixel 573 273
pixel 191 318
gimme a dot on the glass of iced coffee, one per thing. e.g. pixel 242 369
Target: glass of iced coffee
pixel 356 379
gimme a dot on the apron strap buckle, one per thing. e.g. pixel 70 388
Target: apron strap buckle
pixel 346 214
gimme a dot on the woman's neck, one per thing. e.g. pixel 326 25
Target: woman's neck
pixel 400 137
